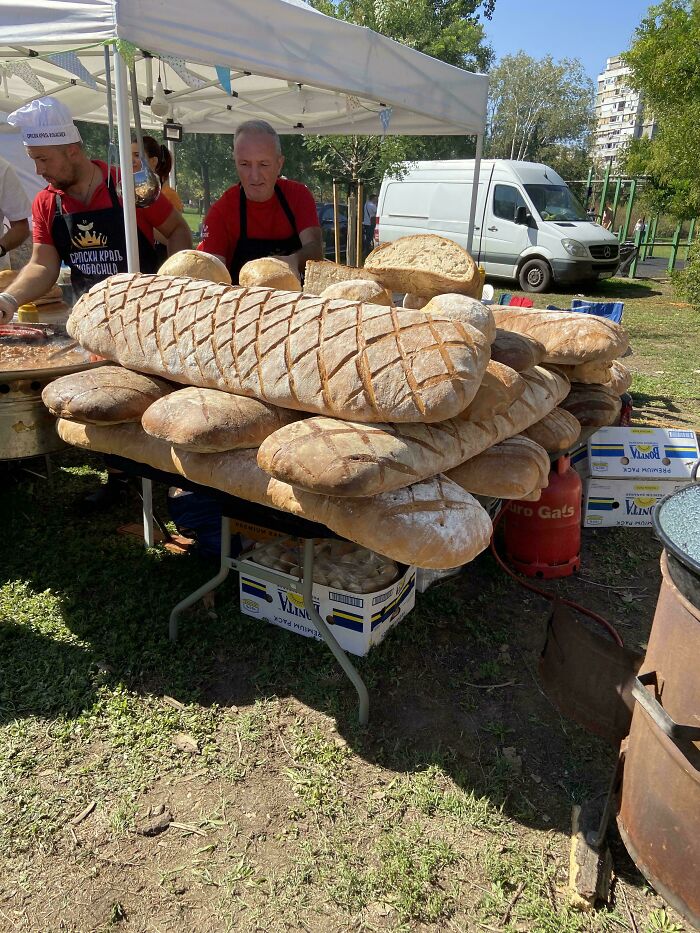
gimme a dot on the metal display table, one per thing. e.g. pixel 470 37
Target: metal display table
pixel 287 525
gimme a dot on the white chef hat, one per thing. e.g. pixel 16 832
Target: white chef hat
pixel 45 122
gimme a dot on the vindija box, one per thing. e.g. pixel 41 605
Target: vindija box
pixel 638 453
pixel 623 502
pixel 357 620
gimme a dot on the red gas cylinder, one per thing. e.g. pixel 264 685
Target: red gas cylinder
pixel 543 538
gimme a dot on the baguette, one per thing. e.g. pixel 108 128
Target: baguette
pixel 569 337
pixel 319 274
pixel 340 458
pixel 433 524
pixel 106 395
pixel 516 350
pixel 359 290
pixel 426 265
pixel 556 432
pixel 210 421
pixel 510 469
pixel 592 406
pixel 334 357
pixel 500 387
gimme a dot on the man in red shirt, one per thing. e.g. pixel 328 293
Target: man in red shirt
pixel 263 215
pixel 78 217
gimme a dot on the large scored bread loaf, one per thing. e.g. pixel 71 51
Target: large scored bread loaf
pixel 592 406
pixel 425 264
pixel 196 264
pixel 569 337
pixel 210 421
pixel 597 371
pixel 433 524
pixel 556 432
pixel 340 458
pixel 269 272
pixel 500 387
pixel 364 362
pixel 363 290
pixel 620 378
pixel 106 395
pixel 510 469
pixel 516 350
pixel 319 274
pixel 465 309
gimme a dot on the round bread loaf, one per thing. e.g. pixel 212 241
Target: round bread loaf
pixel 414 302
pixel 359 290
pixel 196 264
pixel 269 272
pixel 556 432
pixel 463 308
pixel 106 395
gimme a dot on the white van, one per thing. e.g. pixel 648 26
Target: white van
pixel 528 225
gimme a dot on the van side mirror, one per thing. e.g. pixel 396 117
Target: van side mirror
pixel 523 216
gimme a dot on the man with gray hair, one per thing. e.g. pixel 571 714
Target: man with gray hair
pixel 263 215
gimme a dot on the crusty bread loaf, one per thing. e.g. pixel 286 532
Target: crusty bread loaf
pixel 106 395
pixel 465 309
pixel 432 524
pixel 319 274
pixel 49 297
pixel 556 432
pixel 425 264
pixel 510 469
pixel 269 272
pixel 336 357
pixel 341 458
pixel 210 421
pixel 620 378
pixel 533 496
pixel 569 337
pixel 196 264
pixel 592 406
pixel 516 350
pixel 359 290
pixel 500 387
pixel 414 302
pixel 596 371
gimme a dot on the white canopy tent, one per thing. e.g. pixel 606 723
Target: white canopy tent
pixel 286 63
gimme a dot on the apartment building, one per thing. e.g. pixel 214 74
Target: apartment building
pixel 619 112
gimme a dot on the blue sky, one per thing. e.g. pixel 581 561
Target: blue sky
pixel 592 30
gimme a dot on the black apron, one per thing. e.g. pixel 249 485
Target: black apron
pixel 249 248
pixel 93 243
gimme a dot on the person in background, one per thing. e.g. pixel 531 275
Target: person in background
pixel 641 225
pixel 369 218
pixel 78 218
pixel 15 210
pixel 606 220
pixel 161 162
pixel 264 214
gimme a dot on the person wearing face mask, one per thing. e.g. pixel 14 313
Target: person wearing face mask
pixel 78 218
pixel 264 214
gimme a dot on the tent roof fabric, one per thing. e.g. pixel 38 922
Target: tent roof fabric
pixel 302 71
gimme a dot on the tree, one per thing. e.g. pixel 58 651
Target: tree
pixel 665 63
pixel 446 29
pixel 538 106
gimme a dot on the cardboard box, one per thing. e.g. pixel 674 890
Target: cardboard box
pixel 358 620
pixel 639 452
pixel 616 502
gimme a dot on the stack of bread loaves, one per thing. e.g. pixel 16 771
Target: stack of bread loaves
pixel 374 420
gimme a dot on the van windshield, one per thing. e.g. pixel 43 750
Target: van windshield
pixel 555 202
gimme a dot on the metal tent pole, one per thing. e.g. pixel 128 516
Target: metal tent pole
pixel 127 178
pixel 475 190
